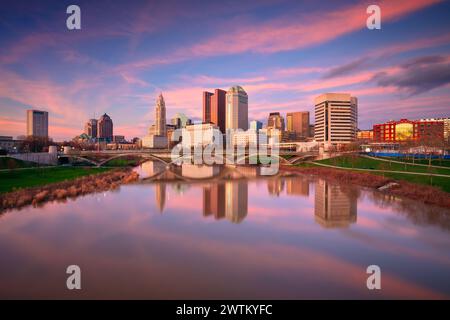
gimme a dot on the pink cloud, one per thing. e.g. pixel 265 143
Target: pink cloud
pixel 285 33
pixel 303 31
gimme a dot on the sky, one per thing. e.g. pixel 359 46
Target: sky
pixel 283 53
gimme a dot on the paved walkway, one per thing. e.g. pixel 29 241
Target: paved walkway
pixel 385 171
pixel 408 163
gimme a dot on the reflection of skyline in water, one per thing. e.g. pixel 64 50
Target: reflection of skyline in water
pixel 280 239
pixel 334 207
pixel 226 200
pixel 160 195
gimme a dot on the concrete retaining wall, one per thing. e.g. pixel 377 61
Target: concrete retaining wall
pixel 41 158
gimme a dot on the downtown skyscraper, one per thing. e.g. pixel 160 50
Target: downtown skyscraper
pixel 298 122
pixel 214 108
pixel 336 118
pixel 236 108
pixel 160 122
pixel 37 123
pixel 105 128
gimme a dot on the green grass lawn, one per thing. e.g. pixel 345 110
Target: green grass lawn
pixel 365 163
pixel 123 162
pixel 440 182
pixel 33 177
pixel 434 162
pixel 8 163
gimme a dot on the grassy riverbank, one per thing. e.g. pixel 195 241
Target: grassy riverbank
pixel 434 162
pixel 404 188
pixel 33 177
pixel 442 183
pixel 129 161
pixel 374 164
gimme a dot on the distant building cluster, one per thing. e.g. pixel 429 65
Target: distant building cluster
pixel 100 130
pixel 335 123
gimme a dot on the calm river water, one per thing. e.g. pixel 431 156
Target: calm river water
pixel 247 237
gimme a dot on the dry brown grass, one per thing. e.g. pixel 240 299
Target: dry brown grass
pixel 68 189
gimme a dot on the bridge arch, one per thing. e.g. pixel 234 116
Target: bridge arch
pixel 95 163
pixel 142 155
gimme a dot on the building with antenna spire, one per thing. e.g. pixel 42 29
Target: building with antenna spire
pixel 157 135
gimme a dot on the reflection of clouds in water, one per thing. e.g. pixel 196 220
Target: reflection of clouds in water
pixel 280 241
pixel 419 213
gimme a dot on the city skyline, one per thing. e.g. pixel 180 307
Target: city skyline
pixel 104 68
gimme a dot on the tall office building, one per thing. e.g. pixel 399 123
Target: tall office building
pixel 336 118
pixel 90 128
pixel 236 108
pixel 37 123
pixel 105 128
pixel 157 136
pixel 275 121
pixel 160 122
pixel 206 99
pixel 214 108
pixel 298 122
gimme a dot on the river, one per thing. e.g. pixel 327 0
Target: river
pixel 232 236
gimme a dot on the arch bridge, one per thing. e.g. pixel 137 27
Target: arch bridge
pixel 240 159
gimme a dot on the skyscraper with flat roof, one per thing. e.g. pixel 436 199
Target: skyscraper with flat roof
pixel 37 123
pixel 336 118
pixel 214 108
pixel 298 122
pixel 206 98
pixel 236 108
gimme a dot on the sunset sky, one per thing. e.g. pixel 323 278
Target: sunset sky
pixel 283 53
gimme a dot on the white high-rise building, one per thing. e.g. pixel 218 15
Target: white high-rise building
pixel 336 118
pixel 236 109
